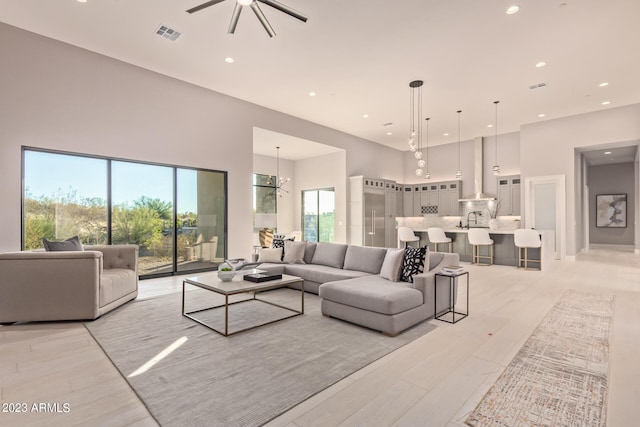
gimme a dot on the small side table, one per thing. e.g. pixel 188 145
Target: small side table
pixel 453 279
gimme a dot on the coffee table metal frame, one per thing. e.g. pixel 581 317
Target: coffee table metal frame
pixel 235 287
pixel 453 279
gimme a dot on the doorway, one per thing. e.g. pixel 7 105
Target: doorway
pixel 545 208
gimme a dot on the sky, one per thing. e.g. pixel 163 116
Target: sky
pixel 48 174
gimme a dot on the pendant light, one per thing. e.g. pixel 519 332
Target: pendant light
pixel 459 171
pixel 496 167
pixel 427 174
pixel 415 124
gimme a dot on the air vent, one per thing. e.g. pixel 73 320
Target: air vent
pixel 537 86
pixel 168 33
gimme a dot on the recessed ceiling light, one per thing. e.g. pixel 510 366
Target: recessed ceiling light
pixel 82 1
pixel 229 60
pixel 603 84
pixel 389 133
pixel 607 152
pixel 365 116
pixel 513 9
pixel 446 134
pixel 489 126
pixel 312 94
pixel 606 103
pixel 541 115
pixel 541 64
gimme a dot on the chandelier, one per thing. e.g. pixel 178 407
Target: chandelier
pixel 415 124
pixel 278 181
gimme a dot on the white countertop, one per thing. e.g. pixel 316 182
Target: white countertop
pixel 465 230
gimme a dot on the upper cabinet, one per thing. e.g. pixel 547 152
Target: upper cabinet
pixel 432 198
pixel 509 195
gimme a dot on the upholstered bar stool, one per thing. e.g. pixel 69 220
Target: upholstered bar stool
pixel 525 238
pixel 480 237
pixel 437 236
pixel 406 236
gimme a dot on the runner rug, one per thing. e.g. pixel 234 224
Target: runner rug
pixel 201 378
pixel 559 377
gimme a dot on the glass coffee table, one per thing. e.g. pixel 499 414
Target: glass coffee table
pixel 237 286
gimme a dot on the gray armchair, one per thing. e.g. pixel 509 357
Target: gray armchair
pixel 45 286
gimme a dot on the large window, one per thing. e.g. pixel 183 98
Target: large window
pixel 177 216
pixel 318 213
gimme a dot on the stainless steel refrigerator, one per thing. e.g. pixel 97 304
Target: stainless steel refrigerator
pixel 374 220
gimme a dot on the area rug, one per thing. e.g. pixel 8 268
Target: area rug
pixel 559 377
pixel 247 379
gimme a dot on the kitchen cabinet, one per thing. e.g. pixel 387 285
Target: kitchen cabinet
pixel 509 195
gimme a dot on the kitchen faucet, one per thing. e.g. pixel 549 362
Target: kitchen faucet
pixel 475 219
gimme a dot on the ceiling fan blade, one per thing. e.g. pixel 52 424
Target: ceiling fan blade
pixel 204 5
pixel 286 9
pixel 234 18
pixel 263 20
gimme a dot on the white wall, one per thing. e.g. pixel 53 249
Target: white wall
pixel 57 96
pixel 548 148
pixel 443 162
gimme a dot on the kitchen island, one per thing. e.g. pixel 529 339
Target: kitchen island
pixel 505 251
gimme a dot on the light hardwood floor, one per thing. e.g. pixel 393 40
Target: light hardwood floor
pixel 434 381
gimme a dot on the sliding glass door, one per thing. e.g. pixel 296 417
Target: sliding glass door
pixel 318 213
pixel 177 216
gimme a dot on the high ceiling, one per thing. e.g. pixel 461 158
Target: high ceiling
pixel 359 56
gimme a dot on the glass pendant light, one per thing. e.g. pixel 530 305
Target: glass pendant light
pixel 459 171
pixel 496 167
pixel 427 175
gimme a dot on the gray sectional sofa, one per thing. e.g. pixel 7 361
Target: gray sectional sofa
pixel 348 279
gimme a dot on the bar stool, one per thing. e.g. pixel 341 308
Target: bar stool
pixel 436 236
pixel 406 235
pixel 480 237
pixel 525 238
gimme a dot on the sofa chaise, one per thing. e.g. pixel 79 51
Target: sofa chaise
pixel 349 281
pixel 66 285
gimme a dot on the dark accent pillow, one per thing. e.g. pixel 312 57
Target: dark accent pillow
pixel 71 244
pixel 413 263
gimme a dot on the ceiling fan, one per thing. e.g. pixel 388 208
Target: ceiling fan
pixel 256 9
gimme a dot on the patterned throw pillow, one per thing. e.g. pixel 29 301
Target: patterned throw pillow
pixel 278 242
pixel 413 263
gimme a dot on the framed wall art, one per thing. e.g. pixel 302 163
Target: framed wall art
pixel 611 210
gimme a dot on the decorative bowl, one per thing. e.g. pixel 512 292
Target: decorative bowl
pixel 225 275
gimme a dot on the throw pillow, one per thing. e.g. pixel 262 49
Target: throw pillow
pixel 71 244
pixel 278 242
pixel 294 252
pixel 392 265
pixel 413 263
pixel 270 255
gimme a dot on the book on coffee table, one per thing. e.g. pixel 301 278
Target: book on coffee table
pixel 261 277
pixel 452 270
